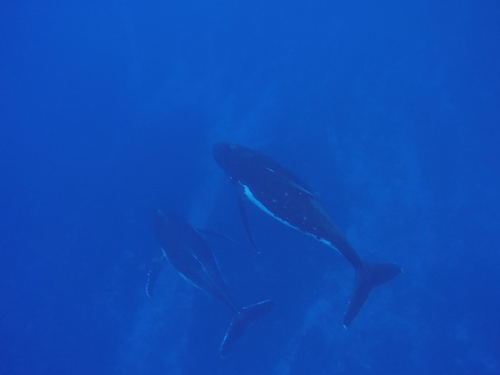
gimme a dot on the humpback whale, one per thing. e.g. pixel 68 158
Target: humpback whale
pixel 191 257
pixel 280 193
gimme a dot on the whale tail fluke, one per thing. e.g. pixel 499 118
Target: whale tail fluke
pixel 368 276
pixel 241 320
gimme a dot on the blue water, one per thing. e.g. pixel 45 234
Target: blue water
pixel 388 110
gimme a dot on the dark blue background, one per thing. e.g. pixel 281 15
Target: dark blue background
pixel 388 110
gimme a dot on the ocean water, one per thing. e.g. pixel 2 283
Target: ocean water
pixel 388 110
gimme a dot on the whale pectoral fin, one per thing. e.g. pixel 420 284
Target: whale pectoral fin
pixel 153 274
pixel 244 218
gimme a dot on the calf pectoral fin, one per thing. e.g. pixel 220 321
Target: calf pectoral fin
pixel 153 274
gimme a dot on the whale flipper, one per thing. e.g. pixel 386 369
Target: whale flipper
pixel 240 321
pixel 244 217
pixel 153 274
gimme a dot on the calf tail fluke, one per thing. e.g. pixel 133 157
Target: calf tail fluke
pixel 240 321
pixel 368 276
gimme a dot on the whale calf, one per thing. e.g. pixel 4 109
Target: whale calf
pixel 191 257
pixel 280 193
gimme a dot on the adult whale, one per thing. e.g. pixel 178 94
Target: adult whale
pixel 191 257
pixel 281 194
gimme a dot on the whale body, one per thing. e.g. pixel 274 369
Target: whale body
pixel 281 194
pixel 191 257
